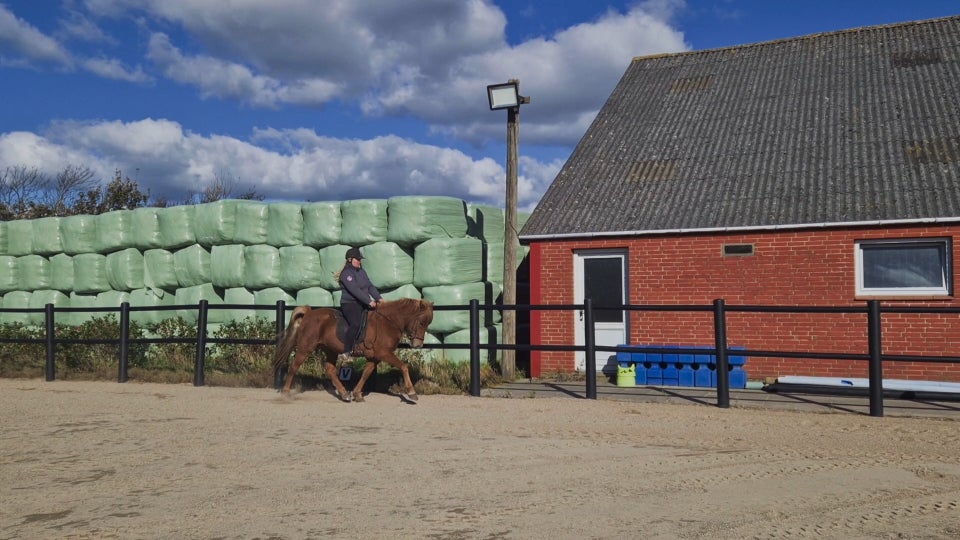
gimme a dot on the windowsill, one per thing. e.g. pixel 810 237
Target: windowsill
pixel 906 298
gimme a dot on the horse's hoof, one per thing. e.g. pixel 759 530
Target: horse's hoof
pixel 358 398
pixel 411 397
pixel 346 397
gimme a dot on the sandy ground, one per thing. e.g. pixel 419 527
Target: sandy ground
pixel 109 460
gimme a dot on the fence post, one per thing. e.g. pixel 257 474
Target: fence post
pixel 590 348
pixel 200 362
pixel 474 347
pixel 51 361
pixel 876 357
pixel 124 341
pixel 720 343
pixel 281 315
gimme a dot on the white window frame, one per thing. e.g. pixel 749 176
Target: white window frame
pixel 946 287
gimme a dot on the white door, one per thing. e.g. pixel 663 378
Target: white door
pixel 601 276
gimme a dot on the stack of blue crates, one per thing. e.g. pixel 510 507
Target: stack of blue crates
pixel 681 369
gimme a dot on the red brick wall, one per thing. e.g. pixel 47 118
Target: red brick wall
pixel 788 268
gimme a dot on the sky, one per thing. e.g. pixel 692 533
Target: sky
pixel 325 100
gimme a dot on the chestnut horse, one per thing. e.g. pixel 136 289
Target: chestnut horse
pixel 311 329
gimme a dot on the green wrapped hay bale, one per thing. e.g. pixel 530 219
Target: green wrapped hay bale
pixel 336 297
pixel 90 273
pixel 9 274
pixel 300 268
pixel 238 296
pixel 494 258
pixel 227 265
pixel 46 236
pixel 271 296
pixel 364 222
pixel 61 272
pixel 3 237
pixel 112 299
pixel 159 270
pixel 403 291
pixel 390 265
pixel 40 299
pixel 332 259
pixel 489 338
pixel 447 322
pixel 486 222
pixel 146 228
pixel 314 297
pixel 413 220
pixel 114 231
pixel 78 234
pixel 16 300
pixel 150 298
pixel 251 225
pixel 81 301
pixel 125 270
pixel 448 261
pixel 321 224
pixel 285 225
pixel 216 223
pixel 19 237
pixel 33 272
pixel 176 227
pixel 261 266
pixel 192 265
pixel 191 296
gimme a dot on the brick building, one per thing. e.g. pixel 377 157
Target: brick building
pixel 822 170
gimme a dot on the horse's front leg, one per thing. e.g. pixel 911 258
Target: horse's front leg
pixel 367 371
pixel 411 392
pixel 330 364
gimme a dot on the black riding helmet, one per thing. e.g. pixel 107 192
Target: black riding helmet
pixel 354 253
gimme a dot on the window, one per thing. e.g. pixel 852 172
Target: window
pixel 904 267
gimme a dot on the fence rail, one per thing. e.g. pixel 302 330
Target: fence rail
pixel 719 309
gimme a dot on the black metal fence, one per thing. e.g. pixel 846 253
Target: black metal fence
pixel 873 310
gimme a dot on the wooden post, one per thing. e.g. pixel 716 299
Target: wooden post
pixel 511 241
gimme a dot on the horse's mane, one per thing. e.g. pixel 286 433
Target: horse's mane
pixel 406 307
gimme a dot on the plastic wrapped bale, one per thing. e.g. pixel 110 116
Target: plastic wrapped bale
pixel 16 300
pixel 151 298
pixel 300 268
pixel 176 226
pixel 192 265
pixel 489 338
pixel 447 322
pixel 125 270
pixel 364 222
pixel 61 272
pixel 3 237
pixel 111 299
pixel 90 273
pixel 227 265
pixel 412 220
pixel 251 225
pixel 315 297
pixel 46 236
pixel 261 267
pixel 321 224
pixel 390 265
pixel 271 296
pixel 159 270
pixel 332 259
pixel 239 296
pixel 284 225
pixel 33 272
pixel 493 254
pixel 146 228
pixel 9 273
pixel 40 299
pixel 216 223
pixel 191 296
pixel 20 237
pixel 114 231
pixel 78 234
pixel 448 261
pixel 427 353
pixel 486 222
pixel 403 291
pixel 81 301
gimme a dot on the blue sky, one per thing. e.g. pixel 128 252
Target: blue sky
pixel 312 100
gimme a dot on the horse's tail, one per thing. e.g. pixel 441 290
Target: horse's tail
pixel 288 339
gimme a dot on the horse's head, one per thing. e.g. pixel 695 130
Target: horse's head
pixel 417 324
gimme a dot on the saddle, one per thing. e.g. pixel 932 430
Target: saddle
pixel 342 329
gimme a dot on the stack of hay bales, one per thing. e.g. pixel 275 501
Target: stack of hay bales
pixel 242 252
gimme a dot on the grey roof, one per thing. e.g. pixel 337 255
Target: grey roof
pixel 859 125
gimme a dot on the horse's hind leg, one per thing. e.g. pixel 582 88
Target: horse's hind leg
pixel 329 363
pixel 297 360
pixel 367 371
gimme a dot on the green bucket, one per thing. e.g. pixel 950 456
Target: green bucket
pixel 627 376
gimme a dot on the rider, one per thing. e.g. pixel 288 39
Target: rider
pixel 357 294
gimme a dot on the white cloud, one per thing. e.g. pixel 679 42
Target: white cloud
pixel 112 68
pixel 21 43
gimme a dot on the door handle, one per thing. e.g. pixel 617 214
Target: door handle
pixel 581 315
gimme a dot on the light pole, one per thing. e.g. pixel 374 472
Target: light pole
pixel 507 96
